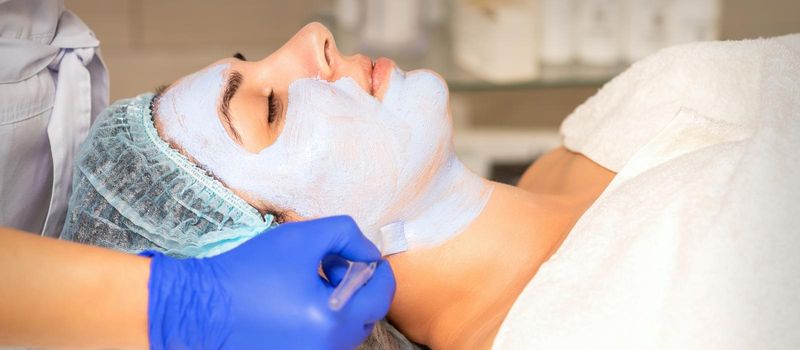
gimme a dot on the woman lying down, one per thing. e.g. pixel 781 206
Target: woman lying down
pixel 667 219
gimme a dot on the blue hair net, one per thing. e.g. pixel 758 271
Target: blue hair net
pixel 131 191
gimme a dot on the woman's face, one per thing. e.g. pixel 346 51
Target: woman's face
pixel 255 123
pixel 314 132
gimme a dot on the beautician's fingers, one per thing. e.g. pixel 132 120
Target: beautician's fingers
pixel 334 267
pixel 372 301
pixel 338 235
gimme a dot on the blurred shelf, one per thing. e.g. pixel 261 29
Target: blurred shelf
pixel 549 77
pixel 484 149
pixel 438 56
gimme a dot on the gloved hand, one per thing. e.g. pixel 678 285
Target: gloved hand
pixel 267 293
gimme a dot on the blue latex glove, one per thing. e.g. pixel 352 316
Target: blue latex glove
pixel 267 293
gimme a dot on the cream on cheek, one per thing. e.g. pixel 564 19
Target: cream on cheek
pixel 343 152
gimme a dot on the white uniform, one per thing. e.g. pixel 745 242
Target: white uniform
pixel 52 85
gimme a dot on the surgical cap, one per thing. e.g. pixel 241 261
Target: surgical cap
pixel 131 191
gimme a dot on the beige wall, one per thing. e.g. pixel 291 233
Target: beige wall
pixel 754 18
pixel 150 42
pixel 146 43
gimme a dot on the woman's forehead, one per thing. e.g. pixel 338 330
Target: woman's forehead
pixel 226 61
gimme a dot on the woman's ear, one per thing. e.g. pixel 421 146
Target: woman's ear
pixel 281 215
pixel 291 216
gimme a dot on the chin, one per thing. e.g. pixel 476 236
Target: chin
pixel 441 85
pixel 435 74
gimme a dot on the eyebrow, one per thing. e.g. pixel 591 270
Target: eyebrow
pixel 157 93
pixel 235 80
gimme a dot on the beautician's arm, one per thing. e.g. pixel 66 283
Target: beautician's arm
pixel 265 293
pixel 55 293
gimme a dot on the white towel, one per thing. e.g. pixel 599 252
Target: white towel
pixel 696 242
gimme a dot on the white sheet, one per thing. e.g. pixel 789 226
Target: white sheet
pixel 696 242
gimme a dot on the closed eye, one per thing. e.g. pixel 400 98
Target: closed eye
pixel 272 108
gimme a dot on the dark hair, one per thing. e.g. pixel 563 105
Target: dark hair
pixel 385 337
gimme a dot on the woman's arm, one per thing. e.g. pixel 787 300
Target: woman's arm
pixel 56 293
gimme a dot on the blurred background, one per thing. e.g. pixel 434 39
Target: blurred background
pixel 515 68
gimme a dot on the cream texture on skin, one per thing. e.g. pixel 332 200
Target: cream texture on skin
pixel 342 151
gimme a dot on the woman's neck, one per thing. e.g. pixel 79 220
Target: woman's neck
pixel 451 198
pixel 456 295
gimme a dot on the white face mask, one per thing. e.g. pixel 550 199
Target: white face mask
pixel 342 151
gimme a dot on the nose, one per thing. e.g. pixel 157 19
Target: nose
pixel 321 48
pixel 332 64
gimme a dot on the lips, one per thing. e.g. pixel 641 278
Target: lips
pixel 381 69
